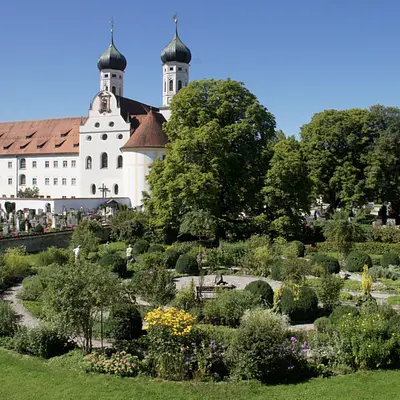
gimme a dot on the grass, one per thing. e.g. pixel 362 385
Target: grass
pixel 34 307
pixel 394 300
pixel 27 378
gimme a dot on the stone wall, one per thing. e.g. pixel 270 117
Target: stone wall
pixel 38 243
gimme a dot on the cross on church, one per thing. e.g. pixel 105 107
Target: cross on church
pixel 104 189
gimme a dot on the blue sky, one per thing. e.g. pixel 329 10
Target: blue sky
pixel 298 57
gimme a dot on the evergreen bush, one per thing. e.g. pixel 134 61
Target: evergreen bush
pixel 300 307
pixel 115 262
pixel 263 291
pixel 140 246
pixel 53 255
pixel 356 261
pixel 125 322
pixel 390 258
pixel 301 249
pixel 339 312
pixel 171 257
pixel 187 264
pixel 156 248
pixel 329 264
pixel 8 319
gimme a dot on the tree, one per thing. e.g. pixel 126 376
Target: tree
pixel 28 193
pixel 383 170
pixel 336 145
pixel 75 294
pixel 287 188
pixel 216 158
pixel 128 225
pixel 86 235
pixel 198 223
pixel 343 232
pixel 329 292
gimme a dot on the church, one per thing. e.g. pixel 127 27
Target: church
pixel 78 162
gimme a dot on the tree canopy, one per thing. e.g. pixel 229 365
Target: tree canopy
pixel 217 156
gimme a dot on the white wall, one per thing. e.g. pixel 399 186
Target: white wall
pixel 173 71
pixel 110 78
pixel 98 125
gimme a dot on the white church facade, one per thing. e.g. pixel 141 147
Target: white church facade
pixel 82 160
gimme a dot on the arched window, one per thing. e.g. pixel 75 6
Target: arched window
pixel 104 160
pixel 22 163
pixel 88 162
pixel 93 188
pixel 116 189
pixel 171 85
pixel 114 90
pixel 179 85
pixel 165 86
pixel 120 91
pixel 119 162
pixel 22 179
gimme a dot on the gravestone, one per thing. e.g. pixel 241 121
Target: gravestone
pixel 390 222
pixel 5 229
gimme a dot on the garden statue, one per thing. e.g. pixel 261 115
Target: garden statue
pixel 129 251
pixel 219 280
pixel 76 252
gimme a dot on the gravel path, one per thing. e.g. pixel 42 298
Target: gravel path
pixel 26 318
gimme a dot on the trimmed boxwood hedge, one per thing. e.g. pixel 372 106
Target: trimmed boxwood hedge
pixel 171 257
pixel 140 246
pixel 390 258
pixel 187 264
pixel 356 261
pixel 301 249
pixel 329 264
pixel 304 308
pixel 156 248
pixel 263 291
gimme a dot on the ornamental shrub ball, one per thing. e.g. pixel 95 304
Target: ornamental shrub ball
pixel 356 261
pixel 187 264
pixel 301 249
pixel 303 307
pixel 329 264
pixel 263 291
pixel 156 248
pixel 171 257
pixel 323 325
pixel 115 262
pixel 140 246
pixel 126 322
pixel 390 258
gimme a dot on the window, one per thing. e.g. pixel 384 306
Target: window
pixel 10 164
pixel 22 163
pixel 55 181
pixel 10 181
pixel 111 124
pixel 93 188
pixel 171 68
pixel 180 69
pixel 88 162
pixel 64 197
pixel 114 90
pixel 73 181
pixel 64 181
pixel 72 197
pixel 171 85
pixel 179 85
pixel 34 181
pixel 48 197
pixel 104 137
pixel 55 164
pixel 165 86
pixel 105 75
pixel 97 125
pixel 65 164
pixel 114 75
pixel 120 136
pixel 47 181
pixel 119 162
pixel 104 160
pixel 88 138
pixel 34 164
pixel 116 189
pixel 47 164
pixel 73 163
pixel 22 179
pixel 120 77
pixel 120 92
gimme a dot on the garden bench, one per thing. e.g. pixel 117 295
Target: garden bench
pixel 208 292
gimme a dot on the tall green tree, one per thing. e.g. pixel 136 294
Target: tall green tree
pixel 336 145
pixel 216 158
pixel 287 188
pixel 383 170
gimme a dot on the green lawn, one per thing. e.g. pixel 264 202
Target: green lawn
pixel 33 379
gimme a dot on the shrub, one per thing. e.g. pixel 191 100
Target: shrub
pixel 8 319
pixel 389 258
pixel 323 325
pixel 186 298
pixel 32 288
pixel 329 264
pixel 171 257
pixel 186 247
pixel 140 246
pixel 53 255
pixel 302 306
pixel 187 265
pixel 39 228
pixel 126 322
pixel 386 273
pixel 119 363
pixel 114 262
pixel 294 269
pixel 220 334
pixel 263 291
pixel 301 249
pixel 276 272
pixel 261 352
pixel 356 261
pixel 339 312
pixel 156 248
pixel 17 265
pixel 329 292
pixel 229 307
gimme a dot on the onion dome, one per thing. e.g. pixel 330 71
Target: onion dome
pixel 112 58
pixel 176 50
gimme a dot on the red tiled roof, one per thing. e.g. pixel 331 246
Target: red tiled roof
pixel 149 133
pixel 40 137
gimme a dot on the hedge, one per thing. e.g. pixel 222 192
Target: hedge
pixel 367 247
